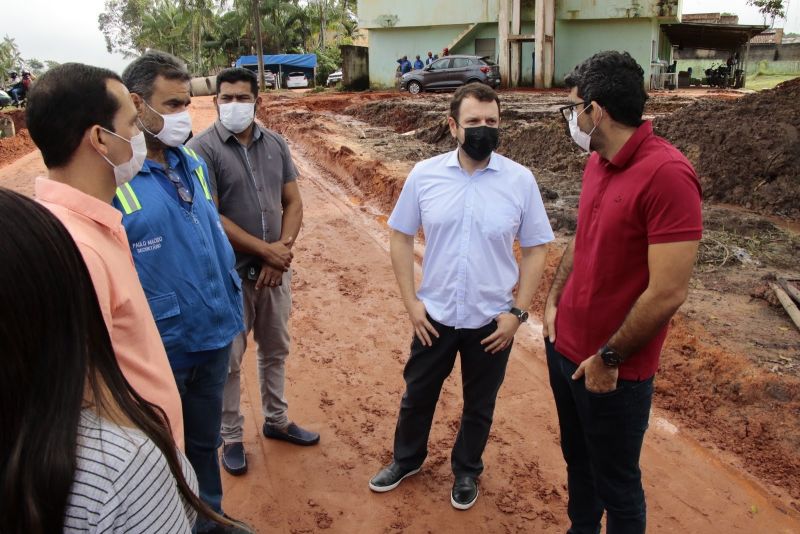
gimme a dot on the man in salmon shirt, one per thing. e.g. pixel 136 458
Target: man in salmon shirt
pixel 89 150
pixel 620 280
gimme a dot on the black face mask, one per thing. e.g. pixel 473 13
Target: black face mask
pixel 479 141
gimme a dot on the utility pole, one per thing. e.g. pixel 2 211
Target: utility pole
pixel 259 45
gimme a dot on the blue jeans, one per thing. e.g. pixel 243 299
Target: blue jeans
pixel 601 439
pixel 200 387
pixel 16 94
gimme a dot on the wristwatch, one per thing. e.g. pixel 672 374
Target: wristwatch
pixel 522 316
pixel 611 358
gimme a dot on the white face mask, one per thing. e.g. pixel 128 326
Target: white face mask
pixel 124 172
pixel 177 127
pixel 581 138
pixel 237 116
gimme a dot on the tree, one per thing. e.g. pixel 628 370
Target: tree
pixel 35 66
pixel 10 58
pixel 202 15
pixel 49 63
pixel 164 27
pixel 772 9
pixel 121 24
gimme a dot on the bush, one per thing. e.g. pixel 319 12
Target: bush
pixel 328 60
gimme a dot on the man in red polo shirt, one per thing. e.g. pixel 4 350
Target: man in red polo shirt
pixel 620 280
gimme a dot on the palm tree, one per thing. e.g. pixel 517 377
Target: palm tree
pixel 202 19
pixel 164 27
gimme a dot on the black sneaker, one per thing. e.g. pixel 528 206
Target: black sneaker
pixel 465 493
pixel 233 458
pixel 390 477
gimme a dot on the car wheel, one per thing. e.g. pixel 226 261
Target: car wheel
pixel 473 80
pixel 414 87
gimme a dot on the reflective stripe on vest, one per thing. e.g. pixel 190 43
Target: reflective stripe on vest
pixel 127 198
pixel 199 170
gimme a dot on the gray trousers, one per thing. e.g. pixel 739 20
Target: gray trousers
pixel 266 314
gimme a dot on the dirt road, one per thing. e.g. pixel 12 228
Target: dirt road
pixel 350 339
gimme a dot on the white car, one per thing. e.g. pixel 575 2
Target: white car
pixel 334 77
pixel 296 80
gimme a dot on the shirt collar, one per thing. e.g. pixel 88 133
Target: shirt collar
pixel 452 161
pixel 630 147
pixel 79 202
pixel 171 153
pixel 226 134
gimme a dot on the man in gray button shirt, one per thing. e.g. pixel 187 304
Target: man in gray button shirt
pixel 254 183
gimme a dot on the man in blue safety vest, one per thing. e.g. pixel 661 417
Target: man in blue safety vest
pixel 184 260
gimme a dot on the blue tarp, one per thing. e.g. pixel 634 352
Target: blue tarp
pixel 305 61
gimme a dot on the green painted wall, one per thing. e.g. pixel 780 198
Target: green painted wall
pixel 489 31
pixel 409 13
pixel 386 46
pixel 608 9
pixel 577 40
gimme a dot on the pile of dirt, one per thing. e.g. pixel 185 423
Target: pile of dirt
pixel 13 148
pixel 18 116
pixel 714 391
pixel 402 115
pixel 359 176
pixel 746 151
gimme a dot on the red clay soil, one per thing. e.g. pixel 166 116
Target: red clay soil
pixel 710 387
pixel 735 406
pixel 344 378
pixel 13 148
pixel 747 150
pixel 18 116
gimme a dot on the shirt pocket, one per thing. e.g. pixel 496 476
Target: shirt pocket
pixel 500 222
pixel 167 314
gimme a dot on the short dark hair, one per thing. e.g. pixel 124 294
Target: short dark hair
pixel 478 91
pixel 238 74
pixel 65 102
pixel 615 81
pixel 141 74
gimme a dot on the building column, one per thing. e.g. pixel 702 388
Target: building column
pixel 502 42
pixel 516 45
pixel 544 56
pixel 549 42
pixel 538 47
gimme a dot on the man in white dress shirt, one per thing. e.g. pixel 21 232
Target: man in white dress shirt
pixel 472 204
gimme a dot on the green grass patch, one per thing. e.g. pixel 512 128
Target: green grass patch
pixel 760 82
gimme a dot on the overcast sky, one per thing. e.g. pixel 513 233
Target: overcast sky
pixel 60 31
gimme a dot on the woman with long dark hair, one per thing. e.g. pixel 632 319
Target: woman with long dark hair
pixel 79 448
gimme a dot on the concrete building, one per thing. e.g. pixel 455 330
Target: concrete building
pixel 532 40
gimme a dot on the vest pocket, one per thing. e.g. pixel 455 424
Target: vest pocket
pixel 167 313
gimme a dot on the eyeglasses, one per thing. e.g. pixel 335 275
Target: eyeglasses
pixel 183 192
pixel 568 111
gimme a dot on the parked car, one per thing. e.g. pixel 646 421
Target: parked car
pixel 451 72
pixel 296 80
pixel 5 100
pixel 334 78
pixel 269 79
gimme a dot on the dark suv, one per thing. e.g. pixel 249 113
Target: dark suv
pixel 451 72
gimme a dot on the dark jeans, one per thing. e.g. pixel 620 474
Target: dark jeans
pixel 427 368
pixel 201 388
pixel 601 438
